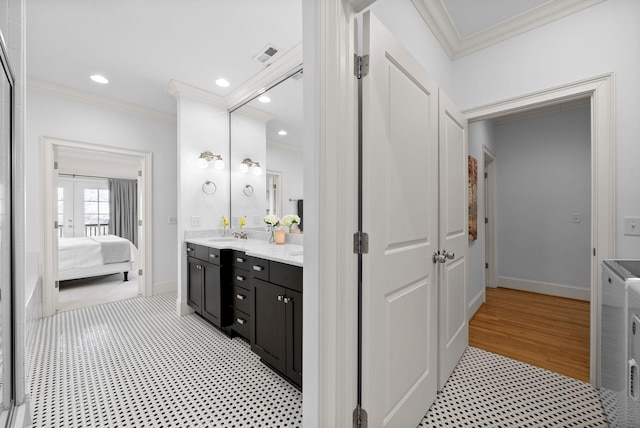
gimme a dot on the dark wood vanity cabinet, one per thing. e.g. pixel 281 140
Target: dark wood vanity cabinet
pixel 238 303
pixel 276 328
pixel 205 278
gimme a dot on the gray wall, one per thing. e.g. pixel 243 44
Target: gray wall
pixel 543 178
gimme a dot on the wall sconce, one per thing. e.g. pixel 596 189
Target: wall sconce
pixel 248 163
pixel 206 157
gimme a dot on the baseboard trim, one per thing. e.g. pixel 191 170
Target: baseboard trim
pixel 552 289
pixel 475 303
pixel 182 308
pixel 164 287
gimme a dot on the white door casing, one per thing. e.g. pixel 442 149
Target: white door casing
pixel 453 329
pixel 400 200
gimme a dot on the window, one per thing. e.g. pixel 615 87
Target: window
pixel 61 212
pixel 96 211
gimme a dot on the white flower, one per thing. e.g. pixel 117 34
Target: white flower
pixel 272 220
pixel 290 219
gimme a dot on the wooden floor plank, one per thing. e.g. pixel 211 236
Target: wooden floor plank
pixel 545 331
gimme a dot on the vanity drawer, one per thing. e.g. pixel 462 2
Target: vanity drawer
pixel 239 277
pixel 260 268
pixel 201 253
pixel 240 259
pixel 241 299
pixel 214 256
pixel 241 323
pixel 286 275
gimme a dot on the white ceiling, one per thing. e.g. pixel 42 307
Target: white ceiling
pixel 140 45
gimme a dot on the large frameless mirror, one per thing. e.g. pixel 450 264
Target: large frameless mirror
pixel 266 163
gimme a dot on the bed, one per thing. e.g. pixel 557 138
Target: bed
pixel 95 256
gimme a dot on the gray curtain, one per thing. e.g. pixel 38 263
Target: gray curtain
pixel 123 209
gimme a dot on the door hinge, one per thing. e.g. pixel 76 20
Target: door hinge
pixel 139 222
pixel 360 418
pixel 57 284
pixel 360 65
pixel 486 265
pixel 486 220
pixel 594 252
pixel 360 243
pixel 139 173
pixel 139 272
pixel 56 225
pixel 486 175
pixel 55 165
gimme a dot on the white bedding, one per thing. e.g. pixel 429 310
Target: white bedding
pixel 76 254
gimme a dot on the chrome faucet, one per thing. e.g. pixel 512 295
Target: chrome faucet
pixel 240 235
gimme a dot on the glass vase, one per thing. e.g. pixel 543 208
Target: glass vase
pixel 272 239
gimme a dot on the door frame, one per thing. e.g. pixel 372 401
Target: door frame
pixel 600 91
pixel 49 175
pixel 490 204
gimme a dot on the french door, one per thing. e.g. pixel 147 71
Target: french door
pixel 414 208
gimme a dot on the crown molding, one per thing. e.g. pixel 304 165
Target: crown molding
pixel 437 18
pixel 97 100
pixel 255 113
pixel 286 146
pixel 179 89
pixel 286 65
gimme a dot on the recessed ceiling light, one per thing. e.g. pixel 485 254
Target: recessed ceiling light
pixel 282 132
pixel 264 99
pixel 99 78
pixel 223 83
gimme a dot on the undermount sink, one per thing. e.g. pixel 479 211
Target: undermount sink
pixel 296 253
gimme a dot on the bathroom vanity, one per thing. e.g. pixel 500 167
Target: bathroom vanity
pixel 252 289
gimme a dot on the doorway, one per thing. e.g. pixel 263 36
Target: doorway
pixel 602 226
pixel 94 163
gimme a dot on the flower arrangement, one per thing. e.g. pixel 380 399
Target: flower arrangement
pixel 242 221
pixel 289 220
pixel 224 223
pixel 272 221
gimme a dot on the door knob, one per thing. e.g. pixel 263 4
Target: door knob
pixel 439 258
pixel 280 298
pixel 449 254
pixel 287 299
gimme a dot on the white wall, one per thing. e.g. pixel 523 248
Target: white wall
pixel 595 41
pixel 480 134
pixel 543 178
pixel 58 117
pixel 287 160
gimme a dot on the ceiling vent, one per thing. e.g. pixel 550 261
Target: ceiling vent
pixel 266 54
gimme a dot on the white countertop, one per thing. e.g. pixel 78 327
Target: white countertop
pixel 283 253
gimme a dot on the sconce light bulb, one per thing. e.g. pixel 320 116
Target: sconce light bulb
pixel 218 164
pixel 244 168
pixel 202 163
pixel 257 170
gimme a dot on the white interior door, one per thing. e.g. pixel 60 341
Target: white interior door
pixel 400 200
pixel 453 329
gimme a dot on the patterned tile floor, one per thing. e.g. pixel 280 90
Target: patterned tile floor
pixel 135 364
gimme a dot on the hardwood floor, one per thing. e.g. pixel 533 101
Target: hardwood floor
pixel 544 331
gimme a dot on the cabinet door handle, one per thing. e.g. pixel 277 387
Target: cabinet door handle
pixel 241 321
pixel 280 298
pixel 240 260
pixel 287 299
pixel 240 278
pixel 189 249
pixel 213 256
pixel 240 296
pixel 258 268
pixel 198 267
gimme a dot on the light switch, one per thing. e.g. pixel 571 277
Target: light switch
pixel 173 220
pixel 632 226
pixel 196 221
